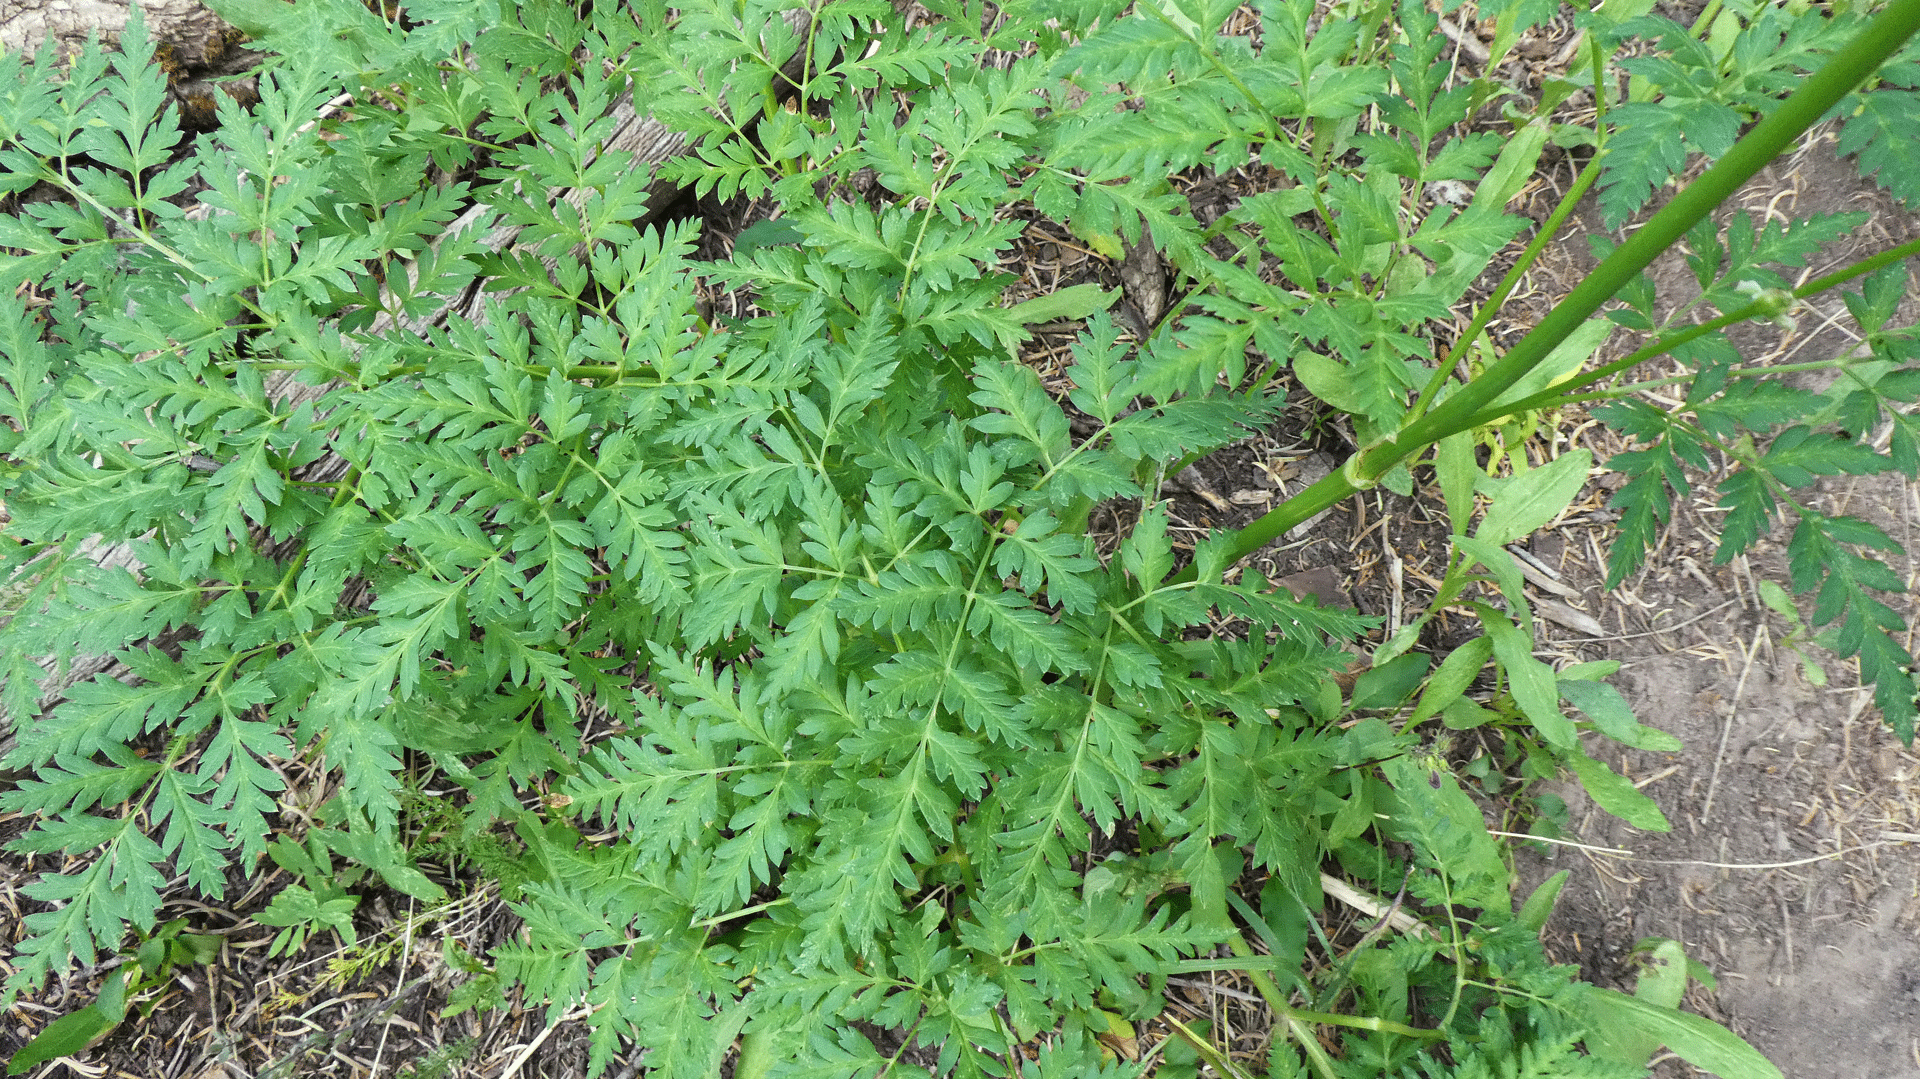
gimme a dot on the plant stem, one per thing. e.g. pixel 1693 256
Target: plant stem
pixel 1555 221
pixel 1565 394
pixel 1206 1049
pixel 1507 284
pixel 1757 371
pixel 1846 69
pixel 1277 1000
pixel 1300 1022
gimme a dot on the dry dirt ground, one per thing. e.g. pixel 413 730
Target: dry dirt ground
pixel 1791 871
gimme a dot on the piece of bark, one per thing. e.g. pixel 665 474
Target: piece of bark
pixel 184 31
pixel 1575 620
pixel 1143 279
pixel 1322 583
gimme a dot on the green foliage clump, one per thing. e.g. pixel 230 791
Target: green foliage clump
pixel 795 612
pixel 826 566
pixel 1697 87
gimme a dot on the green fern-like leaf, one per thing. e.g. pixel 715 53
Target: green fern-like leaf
pixel 1652 144
pixel 1879 123
pixel 1824 555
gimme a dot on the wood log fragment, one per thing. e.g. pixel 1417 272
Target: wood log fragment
pixel 181 29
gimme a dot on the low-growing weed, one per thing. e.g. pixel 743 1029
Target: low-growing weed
pixel 797 613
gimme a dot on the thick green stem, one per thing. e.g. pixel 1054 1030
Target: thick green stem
pixel 1846 69
pixel 1507 284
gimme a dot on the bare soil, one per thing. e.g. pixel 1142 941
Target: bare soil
pixel 1791 870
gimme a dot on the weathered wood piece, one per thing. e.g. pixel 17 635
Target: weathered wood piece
pixel 182 29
